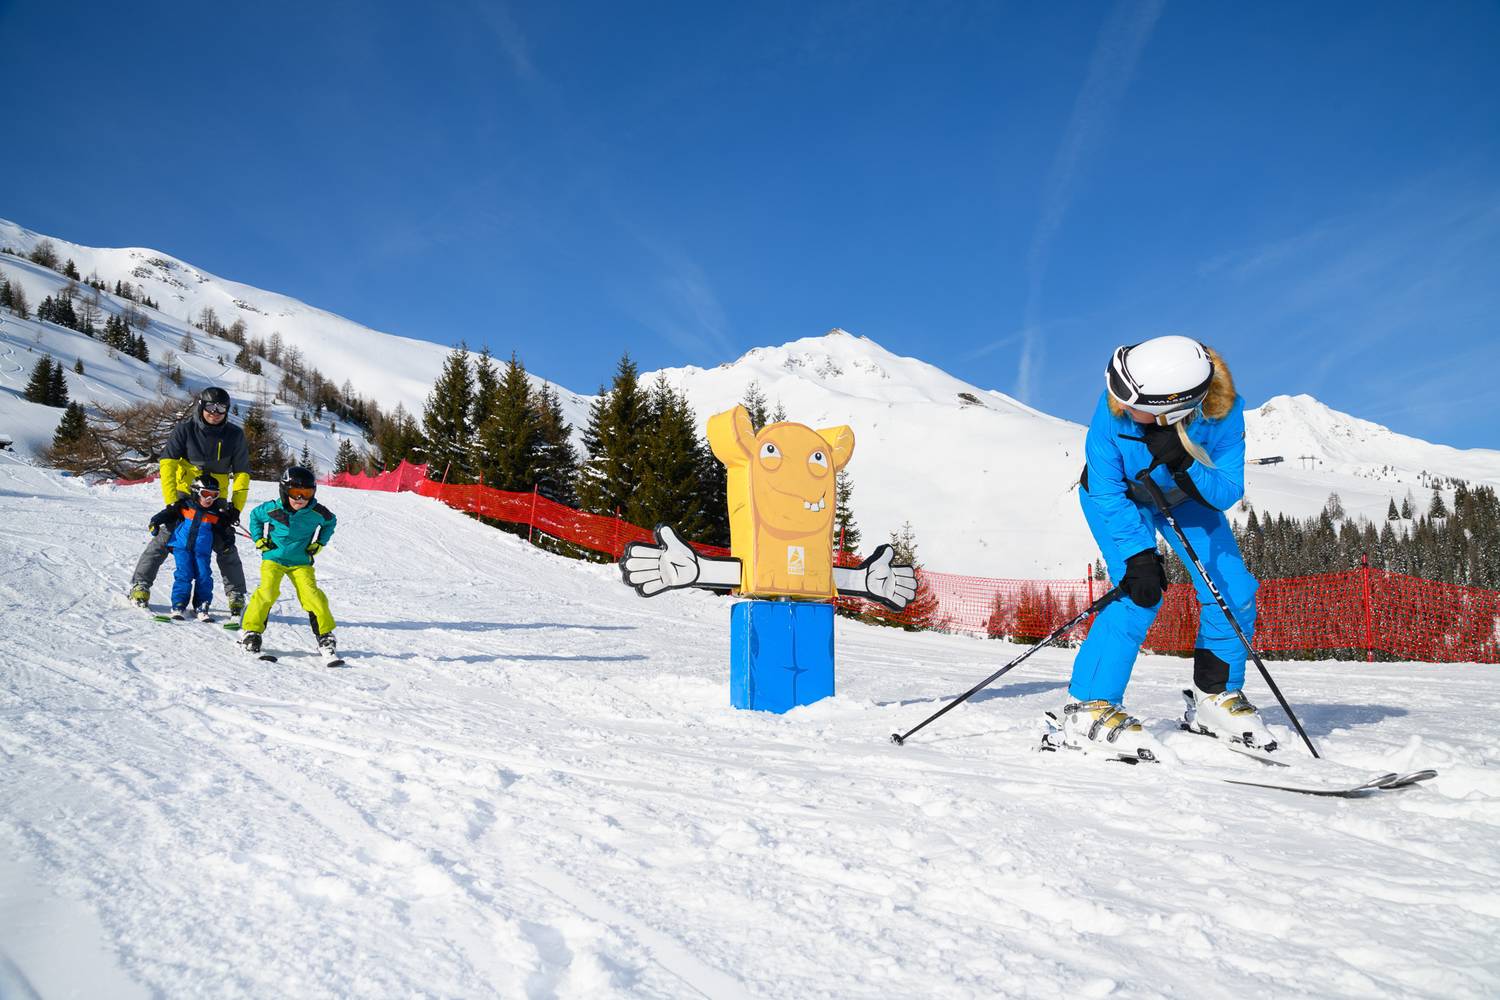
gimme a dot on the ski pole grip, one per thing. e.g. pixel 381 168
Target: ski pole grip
pixel 1150 486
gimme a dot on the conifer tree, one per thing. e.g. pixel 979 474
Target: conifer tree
pixel 845 531
pixel 347 459
pixel 39 388
pixel 510 439
pixel 57 386
pixel 1438 507
pixel 1391 513
pixel 398 439
pixel 557 461
pixel 78 365
pixel 71 270
pixel 447 421
pixel 920 613
pixel 669 471
pixel 755 404
pixel 612 443
pixel 306 460
pixel 71 428
pixel 486 389
pixel 1406 507
pixel 268 456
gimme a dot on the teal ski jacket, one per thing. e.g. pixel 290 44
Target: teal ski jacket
pixel 291 532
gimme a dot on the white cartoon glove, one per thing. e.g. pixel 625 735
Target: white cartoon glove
pixel 878 579
pixel 671 564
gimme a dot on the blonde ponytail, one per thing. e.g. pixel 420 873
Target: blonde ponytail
pixel 1193 447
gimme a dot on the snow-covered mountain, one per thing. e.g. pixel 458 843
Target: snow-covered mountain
pixel 385 367
pixel 986 481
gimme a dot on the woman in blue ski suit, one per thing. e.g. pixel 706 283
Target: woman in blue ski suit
pixel 198 525
pixel 1188 422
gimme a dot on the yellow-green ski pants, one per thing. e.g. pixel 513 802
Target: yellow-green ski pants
pixel 304 579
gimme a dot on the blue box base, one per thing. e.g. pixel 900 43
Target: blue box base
pixel 781 654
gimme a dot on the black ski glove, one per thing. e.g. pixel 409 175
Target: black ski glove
pixel 1145 578
pixel 1166 448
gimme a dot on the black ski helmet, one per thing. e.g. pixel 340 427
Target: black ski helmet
pixel 213 396
pixel 205 483
pixel 300 477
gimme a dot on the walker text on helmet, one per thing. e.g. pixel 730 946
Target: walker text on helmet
pixel 1165 376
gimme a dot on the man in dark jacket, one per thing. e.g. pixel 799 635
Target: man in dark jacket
pixel 204 442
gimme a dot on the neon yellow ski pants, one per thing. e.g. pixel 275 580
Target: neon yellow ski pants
pixel 304 579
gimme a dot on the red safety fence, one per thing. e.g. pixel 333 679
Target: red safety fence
pixel 1361 610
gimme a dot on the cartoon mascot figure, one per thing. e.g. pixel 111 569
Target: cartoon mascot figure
pixel 781 507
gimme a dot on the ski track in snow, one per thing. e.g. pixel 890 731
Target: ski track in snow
pixel 529 783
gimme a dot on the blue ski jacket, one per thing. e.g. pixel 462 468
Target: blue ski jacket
pixel 1114 460
pixel 193 526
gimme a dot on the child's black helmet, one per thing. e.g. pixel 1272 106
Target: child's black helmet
pixel 298 478
pixel 205 483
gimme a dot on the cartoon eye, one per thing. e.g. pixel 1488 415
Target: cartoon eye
pixel 818 458
pixel 768 450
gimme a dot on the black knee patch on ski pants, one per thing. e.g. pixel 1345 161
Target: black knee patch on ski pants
pixel 1210 674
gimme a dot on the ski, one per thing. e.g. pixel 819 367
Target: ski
pixel 232 626
pixel 1376 784
pixel 162 618
pixel 1407 780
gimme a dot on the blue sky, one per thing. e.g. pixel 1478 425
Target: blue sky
pixel 1006 191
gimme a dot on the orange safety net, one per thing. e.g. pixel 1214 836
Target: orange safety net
pixel 1352 612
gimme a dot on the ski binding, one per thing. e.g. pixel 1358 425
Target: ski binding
pixel 1053 741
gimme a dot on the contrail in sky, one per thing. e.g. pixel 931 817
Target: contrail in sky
pixel 1118 49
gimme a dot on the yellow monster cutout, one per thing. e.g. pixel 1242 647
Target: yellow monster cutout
pixel 781 486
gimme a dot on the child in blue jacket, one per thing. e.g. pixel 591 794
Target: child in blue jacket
pixel 198 525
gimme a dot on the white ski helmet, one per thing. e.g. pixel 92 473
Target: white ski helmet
pixel 1167 376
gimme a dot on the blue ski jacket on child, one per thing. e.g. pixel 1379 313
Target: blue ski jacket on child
pixel 1124 522
pixel 193 527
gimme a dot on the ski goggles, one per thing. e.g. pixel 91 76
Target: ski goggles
pixel 300 492
pixel 208 494
pixel 218 408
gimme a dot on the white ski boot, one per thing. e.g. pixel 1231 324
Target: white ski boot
pixel 1227 716
pixel 1101 727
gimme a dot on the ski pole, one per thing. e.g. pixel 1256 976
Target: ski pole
pixel 900 738
pixel 1160 501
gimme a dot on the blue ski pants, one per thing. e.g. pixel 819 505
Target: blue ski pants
pixel 1104 661
pixel 193 578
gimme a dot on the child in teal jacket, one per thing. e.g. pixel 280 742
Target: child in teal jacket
pixel 289 532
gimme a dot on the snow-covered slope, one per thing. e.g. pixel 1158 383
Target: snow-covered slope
pixel 113 379
pixel 530 783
